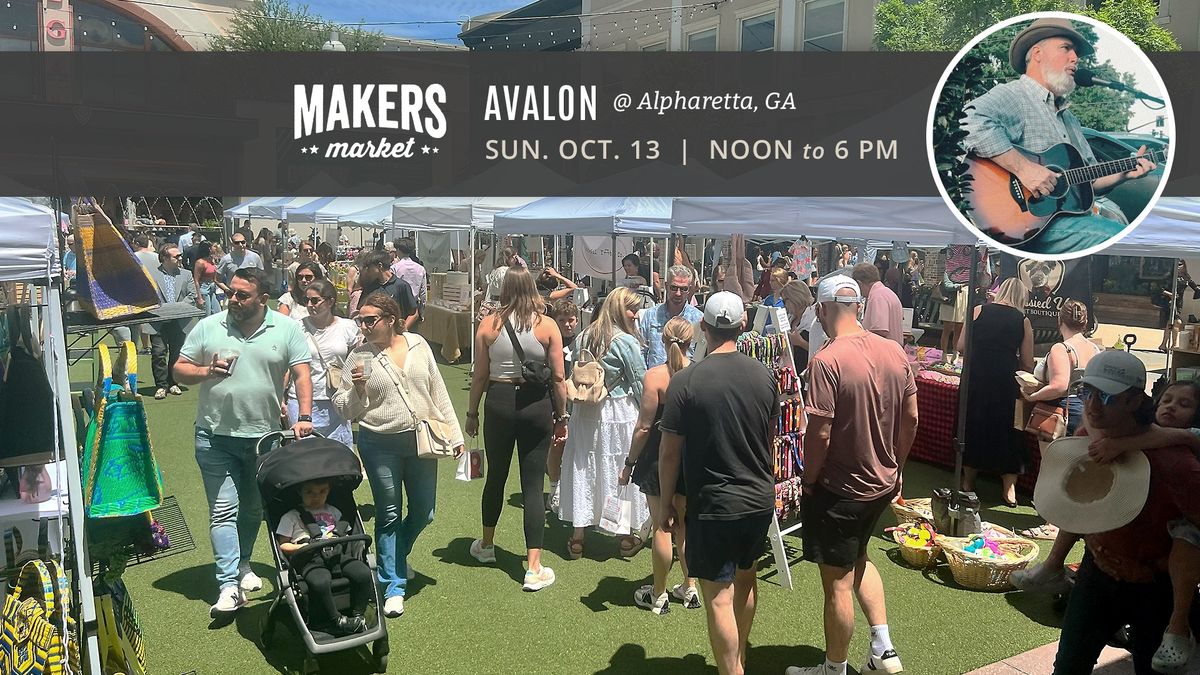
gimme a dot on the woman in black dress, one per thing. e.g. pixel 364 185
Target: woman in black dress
pixel 1001 344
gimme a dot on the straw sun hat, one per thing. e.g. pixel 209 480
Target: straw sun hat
pixel 1081 496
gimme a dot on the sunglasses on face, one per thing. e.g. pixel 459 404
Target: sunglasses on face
pixel 678 289
pixel 1087 393
pixel 238 242
pixel 243 295
pixel 313 301
pixel 305 277
pixel 367 321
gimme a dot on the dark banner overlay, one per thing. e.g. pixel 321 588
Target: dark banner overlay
pixel 780 124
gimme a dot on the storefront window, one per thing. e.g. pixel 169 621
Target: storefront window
pixel 703 41
pixel 18 26
pixel 100 29
pixel 758 33
pixel 824 25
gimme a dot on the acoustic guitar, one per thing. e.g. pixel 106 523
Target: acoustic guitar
pixel 1005 211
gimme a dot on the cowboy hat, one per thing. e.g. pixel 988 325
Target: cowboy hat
pixel 1040 30
pixel 1079 495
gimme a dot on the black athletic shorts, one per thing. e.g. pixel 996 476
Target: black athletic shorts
pixel 836 529
pixel 716 549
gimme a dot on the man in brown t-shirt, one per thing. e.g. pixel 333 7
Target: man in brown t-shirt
pixel 862 418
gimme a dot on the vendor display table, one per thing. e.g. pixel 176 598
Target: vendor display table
pixel 449 328
pixel 937 410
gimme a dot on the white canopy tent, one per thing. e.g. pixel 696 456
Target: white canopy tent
pixel 29 253
pixel 919 221
pixel 376 216
pixel 1171 229
pixel 647 216
pixel 452 213
pixel 28 243
pixel 243 210
pixel 590 216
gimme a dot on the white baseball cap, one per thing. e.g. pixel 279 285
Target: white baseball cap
pixel 724 310
pixel 828 288
pixel 1113 372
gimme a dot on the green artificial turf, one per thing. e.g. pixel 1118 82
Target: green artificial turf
pixel 463 617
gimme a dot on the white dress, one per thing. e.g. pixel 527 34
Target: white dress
pixel 597 443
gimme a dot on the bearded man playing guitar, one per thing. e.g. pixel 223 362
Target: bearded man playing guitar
pixel 1034 176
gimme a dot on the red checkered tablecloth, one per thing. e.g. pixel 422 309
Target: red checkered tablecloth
pixel 937 410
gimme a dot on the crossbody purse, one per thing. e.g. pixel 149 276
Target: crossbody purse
pixel 433 436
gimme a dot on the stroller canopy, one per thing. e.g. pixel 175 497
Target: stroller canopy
pixel 312 458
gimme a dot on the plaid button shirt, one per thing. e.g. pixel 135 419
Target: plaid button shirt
pixel 1022 112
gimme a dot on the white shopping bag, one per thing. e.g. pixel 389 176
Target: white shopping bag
pixel 470 466
pixel 618 512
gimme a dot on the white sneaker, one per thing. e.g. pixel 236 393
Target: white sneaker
pixel 808 670
pixel 644 597
pixel 887 662
pixel 250 582
pixel 174 390
pixel 230 600
pixel 482 554
pixel 160 394
pixel 1041 579
pixel 536 581
pixel 393 607
pixel 687 595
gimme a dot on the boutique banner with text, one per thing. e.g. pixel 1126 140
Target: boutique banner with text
pixel 634 124
pixel 1050 284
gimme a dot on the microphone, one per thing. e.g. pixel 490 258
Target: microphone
pixel 1086 78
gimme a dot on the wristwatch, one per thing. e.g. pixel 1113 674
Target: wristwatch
pixel 304 418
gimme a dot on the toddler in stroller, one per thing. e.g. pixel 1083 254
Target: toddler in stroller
pixel 312 520
pixel 326 570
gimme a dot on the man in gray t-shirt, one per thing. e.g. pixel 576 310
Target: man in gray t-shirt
pixel 239 257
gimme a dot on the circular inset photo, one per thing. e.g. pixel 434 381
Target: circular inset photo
pixel 1050 135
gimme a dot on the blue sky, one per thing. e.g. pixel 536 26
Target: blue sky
pixel 351 11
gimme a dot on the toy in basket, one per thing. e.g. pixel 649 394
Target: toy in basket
pixel 913 511
pixel 918 544
pixel 984 562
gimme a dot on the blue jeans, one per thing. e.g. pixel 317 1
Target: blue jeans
pixel 208 292
pixel 325 420
pixel 1074 233
pixel 392 469
pixel 234 504
pixel 1074 407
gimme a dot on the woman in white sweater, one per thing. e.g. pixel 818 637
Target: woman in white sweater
pixel 387 439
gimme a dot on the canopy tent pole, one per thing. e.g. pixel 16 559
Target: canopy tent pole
pixel 1176 306
pixel 471 301
pixel 968 321
pixel 614 260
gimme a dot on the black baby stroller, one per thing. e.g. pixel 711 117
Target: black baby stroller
pixel 279 475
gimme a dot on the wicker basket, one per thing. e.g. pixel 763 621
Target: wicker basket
pixel 980 574
pixel 913 511
pixel 920 558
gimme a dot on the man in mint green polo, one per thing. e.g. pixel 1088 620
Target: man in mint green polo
pixel 239 358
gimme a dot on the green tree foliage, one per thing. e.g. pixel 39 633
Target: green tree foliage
pixel 1137 20
pixel 277 26
pixel 947 25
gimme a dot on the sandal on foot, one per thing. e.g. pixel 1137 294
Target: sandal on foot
pixel 631 544
pixel 1173 654
pixel 575 548
pixel 1045 532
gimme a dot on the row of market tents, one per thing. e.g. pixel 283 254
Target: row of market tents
pixel 1169 230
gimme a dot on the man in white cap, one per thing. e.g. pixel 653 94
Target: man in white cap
pixel 862 419
pixel 723 410
pixel 1125 515
pixel 1032 112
